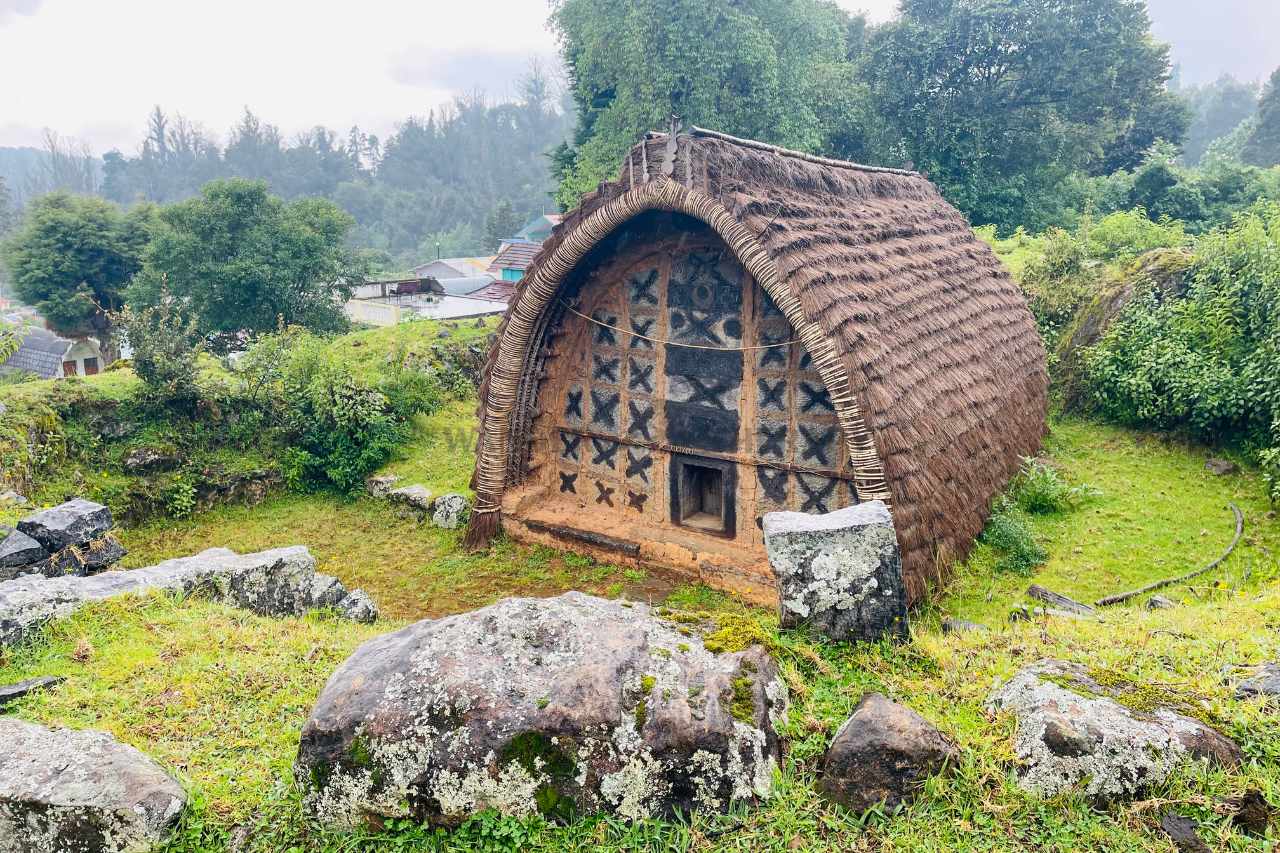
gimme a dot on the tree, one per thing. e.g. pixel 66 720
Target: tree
pixel 166 346
pixel 1262 148
pixel 749 68
pixel 242 260
pixel 72 258
pixel 1165 118
pixel 997 102
pixel 8 215
pixel 500 224
pixel 1218 108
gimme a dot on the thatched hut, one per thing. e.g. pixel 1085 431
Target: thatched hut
pixel 731 328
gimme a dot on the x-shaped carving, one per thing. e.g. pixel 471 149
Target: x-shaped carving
pixel 774 484
pixel 642 326
pixel 640 377
pixel 773 442
pixel 636 500
pixel 604 493
pixel 605 369
pixel 773 355
pixel 571 443
pixel 640 420
pixel 816 397
pixel 817 444
pixel 815 498
pixel 771 394
pixel 638 466
pixel 604 451
pixel 567 482
pixel 642 291
pixel 604 334
pixel 603 407
pixel 573 404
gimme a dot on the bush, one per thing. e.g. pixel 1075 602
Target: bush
pixel 1039 489
pixel 166 346
pixel 1009 533
pixel 1206 362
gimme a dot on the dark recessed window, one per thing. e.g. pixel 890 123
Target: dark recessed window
pixel 702 492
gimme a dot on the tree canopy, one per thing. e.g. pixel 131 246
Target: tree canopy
pixel 243 260
pixel 73 256
pixel 1262 148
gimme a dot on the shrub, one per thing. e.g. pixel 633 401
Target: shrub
pixel 1270 461
pixel 1009 533
pixel 1039 489
pixel 166 346
pixel 1207 362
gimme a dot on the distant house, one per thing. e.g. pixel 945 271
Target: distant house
pixel 538 229
pixel 513 259
pixel 443 268
pixel 50 356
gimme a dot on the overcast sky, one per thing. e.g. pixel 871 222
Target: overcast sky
pixel 92 69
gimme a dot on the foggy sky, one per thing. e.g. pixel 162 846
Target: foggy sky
pixel 93 69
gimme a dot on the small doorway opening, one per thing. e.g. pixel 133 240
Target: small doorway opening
pixel 702 493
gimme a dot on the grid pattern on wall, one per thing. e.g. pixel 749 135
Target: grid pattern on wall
pixel 623 403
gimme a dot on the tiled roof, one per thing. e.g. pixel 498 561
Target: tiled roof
pixel 499 291
pixel 41 353
pixel 516 256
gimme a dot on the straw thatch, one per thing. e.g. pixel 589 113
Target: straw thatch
pixel 924 341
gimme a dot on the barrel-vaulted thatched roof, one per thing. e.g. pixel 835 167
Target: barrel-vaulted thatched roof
pixel 923 339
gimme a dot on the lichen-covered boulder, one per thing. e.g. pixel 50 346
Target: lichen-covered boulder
pixel 840 572
pixel 416 496
pixel 358 607
pixel 379 485
pixel 573 704
pixel 75 522
pixel 450 511
pixel 1070 730
pixel 65 791
pixel 882 755
pixel 279 582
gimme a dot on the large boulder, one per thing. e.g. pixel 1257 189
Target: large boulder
pixel 573 704
pixel 76 522
pixel 450 511
pixel 1071 731
pixel 65 791
pixel 279 582
pixel 882 755
pixel 839 572
pixel 416 496
pixel 18 550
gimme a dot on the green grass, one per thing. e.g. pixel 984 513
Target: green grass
pixel 219 696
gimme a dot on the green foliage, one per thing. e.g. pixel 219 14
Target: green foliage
pixel 72 257
pixel 1208 362
pixel 1262 148
pixel 1041 490
pixel 1218 108
pixel 166 346
pixel 760 70
pixel 180 497
pixel 337 427
pixel 500 224
pixel 997 102
pixel 1009 533
pixel 10 341
pixel 1269 459
pixel 242 260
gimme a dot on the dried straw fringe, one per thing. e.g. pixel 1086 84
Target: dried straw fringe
pixel 509 369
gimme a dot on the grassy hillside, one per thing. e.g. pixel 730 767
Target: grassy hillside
pixel 219 696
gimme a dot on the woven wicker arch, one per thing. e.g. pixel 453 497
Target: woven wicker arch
pixel 510 365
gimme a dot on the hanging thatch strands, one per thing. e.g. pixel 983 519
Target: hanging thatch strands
pixel 670 343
